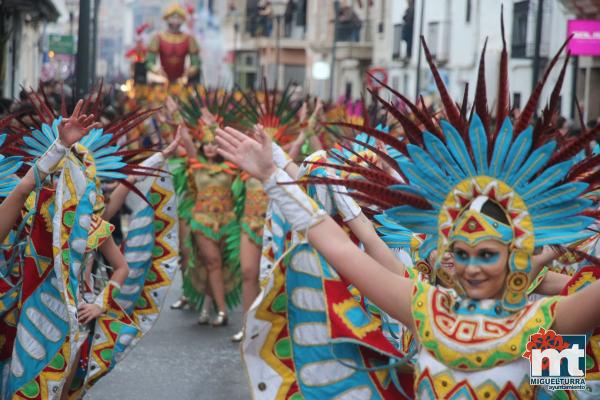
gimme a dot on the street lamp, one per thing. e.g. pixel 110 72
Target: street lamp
pixel 278 7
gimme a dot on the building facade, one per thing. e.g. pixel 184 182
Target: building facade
pixel 22 25
pixel 384 34
pixel 587 80
pixel 456 31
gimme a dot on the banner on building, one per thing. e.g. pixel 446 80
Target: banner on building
pixel 586 37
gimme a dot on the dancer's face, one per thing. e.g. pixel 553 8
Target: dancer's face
pixel 481 269
pixel 174 22
pixel 210 150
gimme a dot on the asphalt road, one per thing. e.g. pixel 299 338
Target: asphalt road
pixel 179 360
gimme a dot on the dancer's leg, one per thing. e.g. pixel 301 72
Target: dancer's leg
pixel 250 262
pixel 210 251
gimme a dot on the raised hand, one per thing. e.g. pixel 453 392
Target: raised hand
pixel 319 106
pixel 303 112
pixel 171 105
pixel 170 149
pixel 72 129
pixel 207 117
pixel 253 155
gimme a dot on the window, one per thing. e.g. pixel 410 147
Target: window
pixel 294 74
pixel 397 48
pixel 433 32
pixel 348 91
pixel 516 103
pixel 519 29
pixel 468 16
pixel 407 27
pixel 396 82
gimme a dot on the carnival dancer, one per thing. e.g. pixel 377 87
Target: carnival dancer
pixel 56 291
pixel 265 318
pixel 173 47
pixel 170 119
pixel 490 195
pixel 48 145
pixel 214 272
pixel 151 249
pixel 274 113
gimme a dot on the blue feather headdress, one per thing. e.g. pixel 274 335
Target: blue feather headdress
pixel 106 156
pixel 449 165
pixel 8 170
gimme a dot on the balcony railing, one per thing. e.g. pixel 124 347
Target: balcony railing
pixel 257 26
pixel 359 32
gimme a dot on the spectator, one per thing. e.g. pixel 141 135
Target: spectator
pixel 265 17
pixel 349 25
pixel 288 17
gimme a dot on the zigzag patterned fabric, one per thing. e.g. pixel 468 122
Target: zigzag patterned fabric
pixel 41 332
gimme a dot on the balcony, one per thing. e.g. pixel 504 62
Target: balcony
pixel 583 8
pixel 261 32
pixel 39 9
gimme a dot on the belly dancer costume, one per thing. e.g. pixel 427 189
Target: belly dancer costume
pixel 277 115
pixel 218 199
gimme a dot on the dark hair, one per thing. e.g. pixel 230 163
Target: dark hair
pixel 217 159
pixel 493 210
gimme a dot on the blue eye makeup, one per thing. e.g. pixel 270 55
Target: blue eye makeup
pixel 483 257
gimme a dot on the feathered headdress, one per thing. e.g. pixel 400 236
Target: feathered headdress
pixel 454 166
pixel 9 166
pixel 219 103
pixel 274 111
pixel 106 157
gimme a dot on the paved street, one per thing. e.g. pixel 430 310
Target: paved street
pixel 179 360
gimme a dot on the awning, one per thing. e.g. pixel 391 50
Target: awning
pixel 584 9
pixel 44 9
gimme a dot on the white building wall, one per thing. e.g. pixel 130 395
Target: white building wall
pixel 26 41
pixel 460 44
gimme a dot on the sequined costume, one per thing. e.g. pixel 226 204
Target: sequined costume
pixel 217 193
pixel 213 211
pixel 64 232
pixel 277 115
pixel 255 208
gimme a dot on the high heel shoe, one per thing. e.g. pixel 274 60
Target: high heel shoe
pixel 180 304
pixel 238 337
pixel 220 319
pixel 204 317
